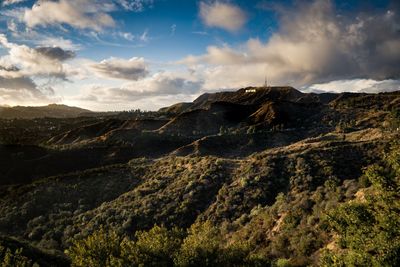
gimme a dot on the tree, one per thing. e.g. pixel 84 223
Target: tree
pixel 204 246
pixel 101 248
pixel 201 247
pixel 16 259
pixel 369 229
pixel 155 247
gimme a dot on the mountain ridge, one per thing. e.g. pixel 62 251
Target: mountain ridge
pixel 261 168
pixel 50 111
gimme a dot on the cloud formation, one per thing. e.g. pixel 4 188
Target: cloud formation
pixel 159 84
pixel 22 97
pixel 15 88
pixel 222 15
pixel 41 61
pixel 314 44
pixel 11 2
pixel 60 42
pixel 355 86
pixel 134 5
pixel 55 53
pixel 15 83
pixel 118 68
pixel 82 14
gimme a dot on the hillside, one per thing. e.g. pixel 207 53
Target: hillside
pixel 49 111
pixel 266 176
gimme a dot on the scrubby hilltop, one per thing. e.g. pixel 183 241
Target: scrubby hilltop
pixel 257 177
pixel 50 111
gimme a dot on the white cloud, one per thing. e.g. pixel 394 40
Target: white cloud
pixel 314 44
pixel 24 97
pixel 12 26
pixel 65 44
pixel 200 33
pixel 12 2
pixel 135 5
pixel 144 37
pixel 18 89
pixel 218 56
pixel 162 84
pixel 117 68
pixel 222 15
pixel 127 36
pixel 173 29
pixel 231 76
pixel 41 61
pixel 82 14
pixel 355 86
pixel 146 103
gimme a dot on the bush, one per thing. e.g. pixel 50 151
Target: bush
pixel 369 229
pixel 201 247
pixel 101 248
pixel 204 246
pixel 282 263
pixel 153 248
pixel 15 259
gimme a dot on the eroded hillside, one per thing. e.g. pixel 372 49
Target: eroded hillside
pixel 263 166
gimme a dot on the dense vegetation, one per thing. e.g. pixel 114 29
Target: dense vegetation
pixel 271 190
pixel 362 217
pixel 349 223
pixel 368 228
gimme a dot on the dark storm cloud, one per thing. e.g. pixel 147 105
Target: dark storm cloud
pixel 117 68
pixel 56 53
pixel 17 83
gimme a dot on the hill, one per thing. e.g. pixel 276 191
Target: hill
pixel 266 176
pixel 49 111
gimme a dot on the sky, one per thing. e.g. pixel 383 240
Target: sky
pixel 108 55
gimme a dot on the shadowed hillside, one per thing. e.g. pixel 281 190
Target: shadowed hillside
pixel 50 111
pixel 260 175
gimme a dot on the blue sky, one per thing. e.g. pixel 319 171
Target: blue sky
pixel 126 54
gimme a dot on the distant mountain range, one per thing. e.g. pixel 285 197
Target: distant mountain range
pixel 49 111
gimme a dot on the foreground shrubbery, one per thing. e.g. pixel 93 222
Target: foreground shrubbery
pixel 13 258
pixel 292 232
pixel 322 215
pixel 17 253
pixel 201 245
pixel 368 228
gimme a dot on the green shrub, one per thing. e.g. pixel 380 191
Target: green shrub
pixel 101 248
pixel 155 247
pixel 16 259
pixel 201 247
pixel 369 229
pixel 282 263
pixel 204 246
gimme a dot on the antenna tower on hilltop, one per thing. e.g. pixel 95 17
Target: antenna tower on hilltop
pixel 265 80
